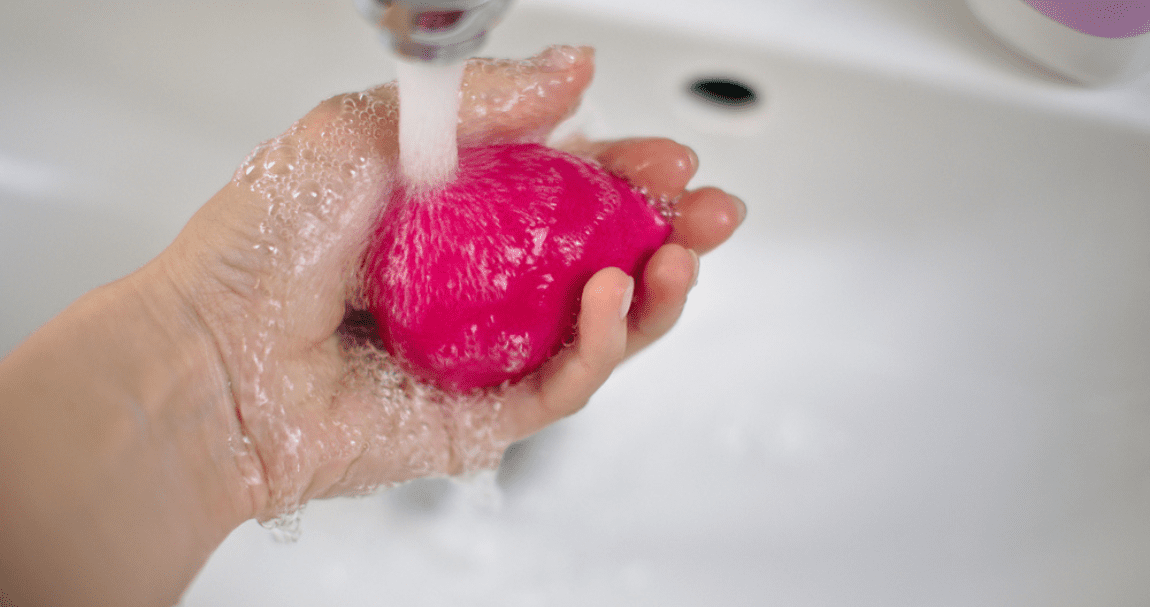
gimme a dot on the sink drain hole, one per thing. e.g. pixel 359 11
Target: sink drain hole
pixel 724 92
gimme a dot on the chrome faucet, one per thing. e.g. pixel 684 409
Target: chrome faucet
pixel 434 31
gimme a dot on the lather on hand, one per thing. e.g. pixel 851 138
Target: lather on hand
pixel 223 381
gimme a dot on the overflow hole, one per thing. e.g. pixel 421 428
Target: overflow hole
pixel 724 92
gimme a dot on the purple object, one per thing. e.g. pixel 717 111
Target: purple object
pixel 1102 18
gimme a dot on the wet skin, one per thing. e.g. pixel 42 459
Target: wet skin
pixel 218 383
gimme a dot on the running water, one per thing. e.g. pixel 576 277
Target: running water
pixel 428 114
pixel 319 185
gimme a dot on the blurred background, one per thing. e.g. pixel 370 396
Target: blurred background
pixel 916 376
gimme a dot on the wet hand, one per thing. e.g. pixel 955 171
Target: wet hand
pixel 271 262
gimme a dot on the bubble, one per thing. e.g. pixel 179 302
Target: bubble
pixel 308 193
pixel 361 152
pixel 252 168
pixel 341 397
pixel 286 529
pixel 666 205
pixel 282 159
pixel 348 171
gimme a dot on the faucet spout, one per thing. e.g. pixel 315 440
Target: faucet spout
pixel 434 31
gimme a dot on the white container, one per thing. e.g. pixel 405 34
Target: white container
pixel 1094 43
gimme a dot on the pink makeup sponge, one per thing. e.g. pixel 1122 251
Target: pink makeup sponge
pixel 478 282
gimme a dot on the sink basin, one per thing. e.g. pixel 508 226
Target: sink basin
pixel 918 375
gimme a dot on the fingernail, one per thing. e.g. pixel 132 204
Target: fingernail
pixel 695 269
pixel 557 58
pixel 628 293
pixel 694 159
pixel 741 207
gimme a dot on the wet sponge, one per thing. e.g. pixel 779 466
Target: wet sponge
pixel 478 282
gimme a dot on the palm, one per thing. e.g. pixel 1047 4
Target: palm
pixel 325 411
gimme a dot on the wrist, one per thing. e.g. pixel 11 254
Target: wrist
pixel 189 388
pixel 125 467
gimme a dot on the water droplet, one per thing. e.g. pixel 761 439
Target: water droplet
pixel 281 159
pixel 348 171
pixel 287 528
pixel 360 153
pixel 252 168
pixel 307 194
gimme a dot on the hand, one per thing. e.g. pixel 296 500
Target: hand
pixel 269 264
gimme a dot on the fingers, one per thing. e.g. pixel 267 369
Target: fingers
pixel 660 166
pixel 705 218
pixel 668 277
pixel 508 100
pixel 567 381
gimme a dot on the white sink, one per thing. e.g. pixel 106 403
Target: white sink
pixel 919 375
